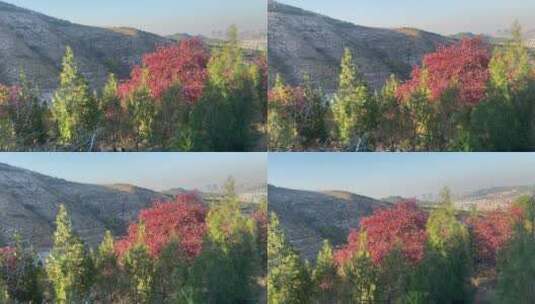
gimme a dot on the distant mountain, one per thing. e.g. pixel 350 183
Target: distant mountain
pixel 309 217
pixel 487 38
pixel 493 198
pixel 208 41
pixel 249 41
pixel 29 202
pixel 302 42
pixel 36 43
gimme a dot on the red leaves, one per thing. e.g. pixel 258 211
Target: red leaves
pixel 184 63
pixel 183 219
pixel 402 225
pixel 492 230
pixel 344 255
pixel 399 227
pixel 463 66
pixel 9 97
pixel 8 259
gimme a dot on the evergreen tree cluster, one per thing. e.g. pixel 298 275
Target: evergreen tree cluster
pixel 468 96
pixel 178 252
pixel 381 262
pixel 183 97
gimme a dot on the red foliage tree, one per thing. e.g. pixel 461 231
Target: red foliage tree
pixel 8 257
pixel 9 97
pixel 463 66
pixel 183 218
pixel 492 230
pixel 402 226
pixel 184 63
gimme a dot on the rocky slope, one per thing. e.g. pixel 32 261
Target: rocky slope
pixel 29 202
pixel 36 43
pixel 304 42
pixel 309 217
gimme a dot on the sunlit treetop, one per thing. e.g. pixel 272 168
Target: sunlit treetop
pixel 182 219
pixel 181 64
pixel 463 66
pixel 399 227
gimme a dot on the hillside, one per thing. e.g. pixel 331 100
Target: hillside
pixel 29 202
pixel 309 217
pixel 36 43
pixel 304 42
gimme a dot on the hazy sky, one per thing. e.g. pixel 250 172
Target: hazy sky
pixel 157 16
pixel 447 17
pixel 157 171
pixel 407 174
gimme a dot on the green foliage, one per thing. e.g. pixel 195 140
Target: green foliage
pixel 141 110
pixel 139 268
pixel 288 279
pixel 312 118
pixel 4 296
pixel 394 278
pixel 449 257
pixel 324 276
pixel 172 123
pixel 28 116
pixel 110 106
pixel 352 102
pixel 172 276
pixel 223 116
pixel 231 236
pixel 359 276
pixel 282 129
pixel 504 122
pixel 516 269
pixel 74 108
pixel 109 279
pixel 68 267
pixel 21 274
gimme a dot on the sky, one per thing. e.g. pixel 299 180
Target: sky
pixel 163 17
pixel 156 171
pixel 380 175
pixel 445 17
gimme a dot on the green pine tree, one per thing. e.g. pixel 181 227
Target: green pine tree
pixel 516 269
pixel 288 279
pixel 141 111
pixel 68 266
pixel 359 277
pixel 231 236
pixel 113 112
pixel 449 257
pixel 223 118
pixel 74 107
pixel 109 279
pixel 351 101
pixel 28 116
pixel 139 268
pixel 172 276
pixel 504 122
pixel 324 275
pixel 281 126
